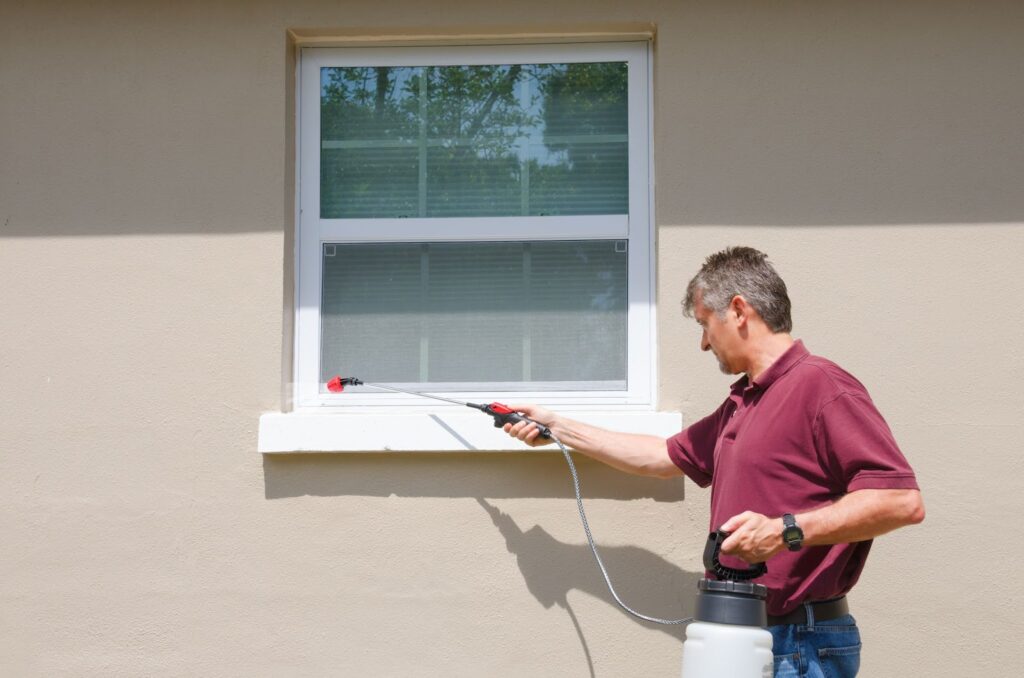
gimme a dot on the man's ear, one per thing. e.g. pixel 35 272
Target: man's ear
pixel 741 309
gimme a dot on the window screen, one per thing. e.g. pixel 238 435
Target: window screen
pixel 515 315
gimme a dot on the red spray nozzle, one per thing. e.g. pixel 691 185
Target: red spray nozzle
pixel 338 384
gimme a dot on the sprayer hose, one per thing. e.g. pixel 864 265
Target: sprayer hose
pixel 590 539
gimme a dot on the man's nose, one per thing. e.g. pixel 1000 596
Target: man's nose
pixel 705 345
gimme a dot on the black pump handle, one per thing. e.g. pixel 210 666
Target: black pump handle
pixel 712 564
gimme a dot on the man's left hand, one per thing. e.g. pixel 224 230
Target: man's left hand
pixel 753 537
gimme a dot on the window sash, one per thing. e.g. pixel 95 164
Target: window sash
pixel 529 313
pixel 313 231
pixel 401 144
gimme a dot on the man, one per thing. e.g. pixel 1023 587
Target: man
pixel 804 472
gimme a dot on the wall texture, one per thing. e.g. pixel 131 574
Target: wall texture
pixel 874 149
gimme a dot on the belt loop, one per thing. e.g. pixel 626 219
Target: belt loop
pixel 809 608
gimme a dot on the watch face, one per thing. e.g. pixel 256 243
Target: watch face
pixel 792 533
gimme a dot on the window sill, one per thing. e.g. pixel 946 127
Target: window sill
pixel 297 432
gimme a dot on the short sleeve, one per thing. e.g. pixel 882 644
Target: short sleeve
pixel 693 449
pixel 858 448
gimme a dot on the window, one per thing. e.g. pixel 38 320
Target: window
pixel 475 220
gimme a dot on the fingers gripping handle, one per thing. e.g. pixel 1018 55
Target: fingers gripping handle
pixel 712 564
pixel 503 414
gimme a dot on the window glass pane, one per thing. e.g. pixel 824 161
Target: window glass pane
pixel 513 315
pixel 444 141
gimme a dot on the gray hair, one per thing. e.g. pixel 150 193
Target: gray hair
pixel 746 272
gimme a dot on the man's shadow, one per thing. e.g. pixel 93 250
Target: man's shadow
pixel 643 580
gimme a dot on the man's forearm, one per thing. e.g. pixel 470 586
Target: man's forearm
pixel 861 515
pixel 630 452
pixel 857 516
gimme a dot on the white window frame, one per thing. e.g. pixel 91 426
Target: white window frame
pixel 313 231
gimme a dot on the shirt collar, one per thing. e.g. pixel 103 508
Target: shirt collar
pixel 784 363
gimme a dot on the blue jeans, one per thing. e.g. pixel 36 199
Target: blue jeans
pixel 830 649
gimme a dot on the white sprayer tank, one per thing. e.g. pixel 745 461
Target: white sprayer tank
pixel 728 638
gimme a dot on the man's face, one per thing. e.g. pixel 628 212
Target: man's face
pixel 718 335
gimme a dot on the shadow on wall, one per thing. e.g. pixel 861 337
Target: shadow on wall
pixel 499 475
pixel 645 581
pixel 551 569
pixel 765 113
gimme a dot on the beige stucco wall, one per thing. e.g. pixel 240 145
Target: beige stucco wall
pixel 874 149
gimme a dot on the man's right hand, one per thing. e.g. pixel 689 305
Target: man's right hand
pixel 527 431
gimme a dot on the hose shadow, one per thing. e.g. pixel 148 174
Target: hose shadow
pixel 644 580
pixel 583 639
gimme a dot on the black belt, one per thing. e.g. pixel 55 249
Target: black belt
pixel 823 611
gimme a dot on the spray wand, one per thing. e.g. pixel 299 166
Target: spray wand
pixel 503 414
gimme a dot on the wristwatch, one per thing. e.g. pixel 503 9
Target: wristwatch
pixel 791 533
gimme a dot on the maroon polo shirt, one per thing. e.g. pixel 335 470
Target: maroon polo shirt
pixel 799 437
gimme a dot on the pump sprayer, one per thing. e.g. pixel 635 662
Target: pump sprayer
pixel 727 636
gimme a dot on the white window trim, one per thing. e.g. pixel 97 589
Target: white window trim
pixel 394 422
pixel 452 430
